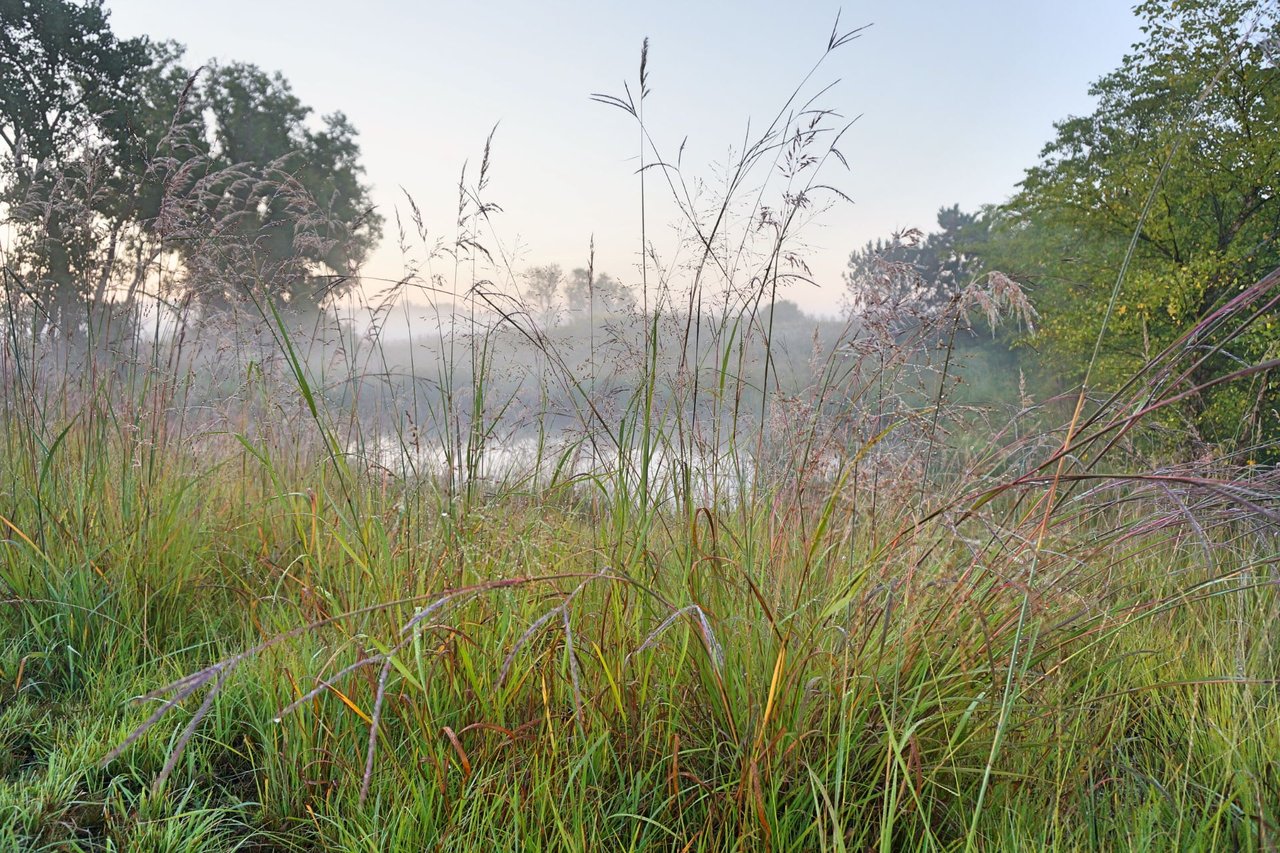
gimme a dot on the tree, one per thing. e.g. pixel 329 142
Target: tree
pixel 541 286
pixel 62 69
pixel 1200 94
pixel 67 105
pixel 918 270
pixel 287 203
pixel 604 295
pixel 114 153
pixel 160 156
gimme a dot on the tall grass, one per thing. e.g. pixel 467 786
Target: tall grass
pixel 270 585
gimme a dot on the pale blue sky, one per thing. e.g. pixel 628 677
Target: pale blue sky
pixel 956 98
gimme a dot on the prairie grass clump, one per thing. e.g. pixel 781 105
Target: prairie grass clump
pixel 708 585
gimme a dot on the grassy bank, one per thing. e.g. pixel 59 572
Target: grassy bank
pixel 1005 656
pixel 825 601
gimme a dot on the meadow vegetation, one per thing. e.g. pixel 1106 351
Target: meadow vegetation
pixel 758 582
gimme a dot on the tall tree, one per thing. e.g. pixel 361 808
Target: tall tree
pixel 67 105
pixel 923 269
pixel 601 295
pixel 541 290
pixel 113 153
pixel 288 205
pixel 1191 120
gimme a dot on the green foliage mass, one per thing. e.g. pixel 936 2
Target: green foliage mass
pixel 1183 151
pixel 930 267
pixel 1141 220
pixel 114 154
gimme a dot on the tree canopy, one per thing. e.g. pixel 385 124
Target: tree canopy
pixel 1183 151
pixel 924 268
pixel 288 199
pixel 1180 156
pixel 602 294
pixel 116 154
pixel 67 109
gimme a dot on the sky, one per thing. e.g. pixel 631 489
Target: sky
pixel 953 100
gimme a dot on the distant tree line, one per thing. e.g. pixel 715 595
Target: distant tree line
pixel 1193 113
pixel 548 292
pixel 118 162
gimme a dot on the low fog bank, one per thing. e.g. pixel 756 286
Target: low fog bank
pixel 417 388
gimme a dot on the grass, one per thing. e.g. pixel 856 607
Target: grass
pixel 837 692
pixel 737 602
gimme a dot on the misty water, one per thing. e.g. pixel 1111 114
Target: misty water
pixel 536 462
